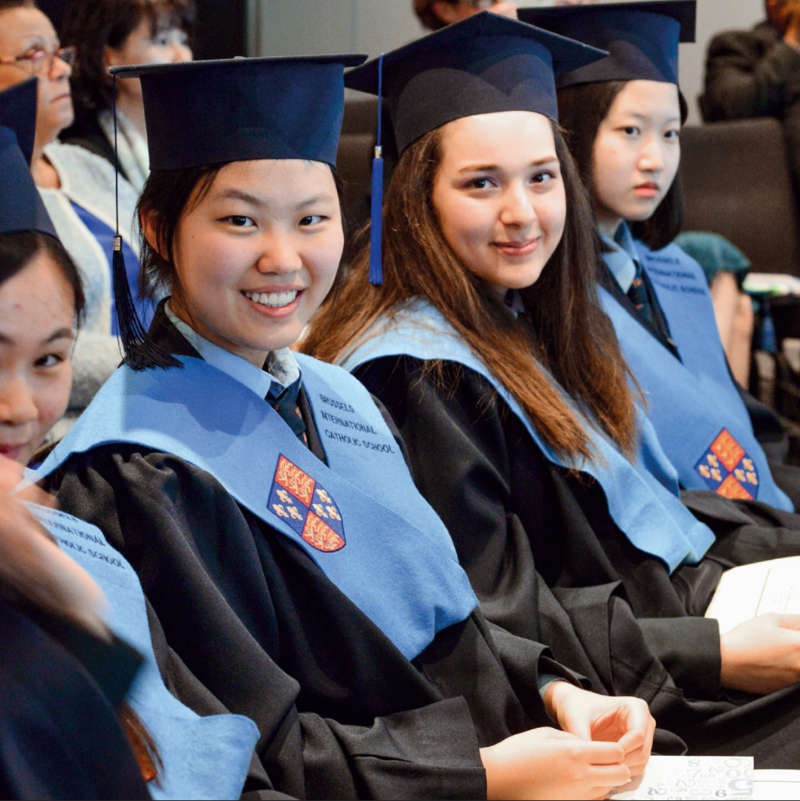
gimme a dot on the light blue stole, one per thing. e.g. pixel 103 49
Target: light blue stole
pixel 203 757
pixel 360 518
pixel 642 500
pixel 693 404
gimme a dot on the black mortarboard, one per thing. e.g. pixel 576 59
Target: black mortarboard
pixel 21 207
pixel 484 64
pixel 642 38
pixel 18 112
pixel 210 112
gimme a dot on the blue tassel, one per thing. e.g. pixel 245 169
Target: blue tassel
pixel 376 225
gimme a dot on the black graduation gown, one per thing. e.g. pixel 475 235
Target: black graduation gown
pixel 59 688
pixel 244 620
pixel 767 427
pixel 526 530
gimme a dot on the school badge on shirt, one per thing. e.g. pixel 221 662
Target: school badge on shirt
pixel 301 502
pixel 727 469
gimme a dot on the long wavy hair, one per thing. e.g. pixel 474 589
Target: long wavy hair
pixel 563 330
pixel 581 110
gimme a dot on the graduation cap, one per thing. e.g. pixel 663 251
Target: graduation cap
pixel 201 113
pixel 21 206
pixel 484 64
pixel 642 37
pixel 18 112
pixel 212 112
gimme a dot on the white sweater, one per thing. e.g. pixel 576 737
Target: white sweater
pixel 88 180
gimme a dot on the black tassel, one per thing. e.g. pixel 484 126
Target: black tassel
pixel 140 351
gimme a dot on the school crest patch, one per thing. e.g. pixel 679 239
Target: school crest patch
pixel 727 469
pixel 301 502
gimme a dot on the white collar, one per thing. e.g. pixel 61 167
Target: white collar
pixel 623 256
pixel 283 367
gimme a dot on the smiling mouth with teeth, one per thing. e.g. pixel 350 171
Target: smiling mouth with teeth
pixel 275 300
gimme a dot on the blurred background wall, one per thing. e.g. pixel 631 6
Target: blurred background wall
pixel 290 27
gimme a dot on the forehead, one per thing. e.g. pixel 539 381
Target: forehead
pixel 273 180
pixel 497 138
pixel 647 98
pixel 19 25
pixel 40 290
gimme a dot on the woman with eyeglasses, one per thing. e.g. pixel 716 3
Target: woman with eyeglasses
pixel 77 188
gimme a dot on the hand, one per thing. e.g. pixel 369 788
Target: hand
pixel 547 763
pixel 619 719
pixel 762 654
pixel 33 567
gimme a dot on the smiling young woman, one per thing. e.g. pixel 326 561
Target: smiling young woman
pixel 507 383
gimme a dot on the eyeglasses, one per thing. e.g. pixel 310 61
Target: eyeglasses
pixel 480 5
pixel 38 61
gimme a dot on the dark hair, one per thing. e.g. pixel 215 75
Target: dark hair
pixel 18 248
pixel 92 25
pixel 581 110
pixel 427 16
pixel 5 4
pixel 572 337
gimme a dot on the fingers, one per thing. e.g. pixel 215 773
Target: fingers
pixel 600 753
pixel 789 622
pixel 10 474
pixel 639 725
pixel 605 777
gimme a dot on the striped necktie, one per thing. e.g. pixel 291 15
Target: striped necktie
pixel 284 401
pixel 638 295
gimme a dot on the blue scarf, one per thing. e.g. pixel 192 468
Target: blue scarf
pixel 693 404
pixel 203 757
pixel 642 498
pixel 360 518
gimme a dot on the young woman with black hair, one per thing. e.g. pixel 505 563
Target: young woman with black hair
pixel 78 659
pixel 623 121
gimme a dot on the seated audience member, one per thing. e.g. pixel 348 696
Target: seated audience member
pixel 109 33
pixel 487 310
pixel 435 14
pixel 725 268
pixel 77 188
pixel 756 73
pixel 624 118
pixel 64 671
pixel 276 551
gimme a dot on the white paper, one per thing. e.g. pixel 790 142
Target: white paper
pixel 756 589
pixel 776 784
pixel 692 777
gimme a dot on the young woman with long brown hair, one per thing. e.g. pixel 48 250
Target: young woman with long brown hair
pixel 487 343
